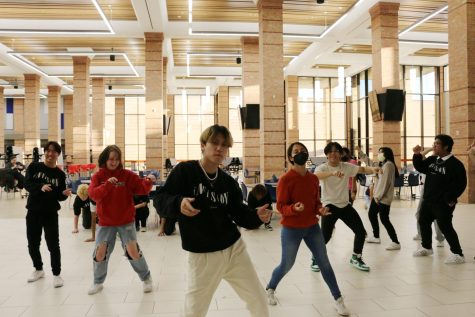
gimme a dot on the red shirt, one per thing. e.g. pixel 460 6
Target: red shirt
pixel 293 188
pixel 115 203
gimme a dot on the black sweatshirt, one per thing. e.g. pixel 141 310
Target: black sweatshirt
pixel 220 203
pixel 445 181
pixel 37 175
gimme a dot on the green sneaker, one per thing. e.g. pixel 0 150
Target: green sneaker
pixel 314 267
pixel 357 261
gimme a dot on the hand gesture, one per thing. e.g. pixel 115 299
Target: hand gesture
pixel 187 209
pixel 325 211
pixel 67 192
pixel 378 170
pixel 151 178
pixel 299 207
pixel 417 149
pixel 264 213
pixel 46 188
pixel 113 180
pixel 338 174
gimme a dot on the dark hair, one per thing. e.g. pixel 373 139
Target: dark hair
pixel 346 154
pixel 259 189
pixel 332 145
pixel 389 156
pixel 290 148
pixel 104 156
pixel 446 141
pixel 213 131
pixel 55 145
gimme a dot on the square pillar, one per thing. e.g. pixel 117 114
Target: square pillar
pixel 223 106
pixel 81 110
pixel 98 119
pixel 32 108
pixel 120 124
pixel 19 122
pixel 68 124
pixel 292 109
pixel 171 130
pixel 2 121
pixel 54 113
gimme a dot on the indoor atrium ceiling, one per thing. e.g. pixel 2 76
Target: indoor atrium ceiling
pixel 201 39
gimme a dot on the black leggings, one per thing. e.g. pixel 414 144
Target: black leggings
pixel 351 218
pixel 383 211
pixel 36 222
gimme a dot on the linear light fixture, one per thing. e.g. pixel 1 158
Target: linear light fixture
pixel 20 56
pixel 67 87
pixel 285 35
pixel 430 16
pixel 424 43
pixel 91 32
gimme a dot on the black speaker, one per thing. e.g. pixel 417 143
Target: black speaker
pixel 252 116
pixel 242 114
pixel 394 105
pixel 164 125
pixel 381 102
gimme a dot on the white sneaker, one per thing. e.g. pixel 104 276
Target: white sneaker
pixel 417 237
pixel 421 251
pixel 455 259
pixel 440 244
pixel 36 275
pixel 271 296
pixel 94 289
pixel 393 246
pixel 57 281
pixel 373 240
pixel 148 285
pixel 144 229
pixel 341 308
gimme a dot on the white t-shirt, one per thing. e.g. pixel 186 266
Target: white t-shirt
pixel 335 189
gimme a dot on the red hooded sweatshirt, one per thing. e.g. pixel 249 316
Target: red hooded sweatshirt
pixel 115 203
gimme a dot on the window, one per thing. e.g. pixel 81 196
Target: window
pixel 235 101
pixel 135 152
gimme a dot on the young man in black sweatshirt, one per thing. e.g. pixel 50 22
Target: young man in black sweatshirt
pixel 446 180
pixel 46 184
pixel 208 204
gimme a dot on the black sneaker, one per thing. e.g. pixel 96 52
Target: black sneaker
pixel 357 261
pixel 314 266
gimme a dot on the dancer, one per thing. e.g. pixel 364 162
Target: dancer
pixel 298 201
pixel 334 176
pixel 112 188
pixel 46 184
pixel 383 194
pixel 259 196
pixel 82 202
pixel 209 207
pixel 446 180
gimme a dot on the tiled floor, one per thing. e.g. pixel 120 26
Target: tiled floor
pixel 398 284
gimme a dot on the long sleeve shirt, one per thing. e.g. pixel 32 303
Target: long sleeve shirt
pixel 445 180
pixel 219 201
pixel 37 175
pixel 115 203
pixel 292 188
pixel 384 186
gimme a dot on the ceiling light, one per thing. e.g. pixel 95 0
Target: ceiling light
pixel 430 16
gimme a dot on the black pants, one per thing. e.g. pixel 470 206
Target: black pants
pixel 351 218
pixel 141 216
pixel 36 222
pixel 443 213
pixel 383 211
pixel 169 225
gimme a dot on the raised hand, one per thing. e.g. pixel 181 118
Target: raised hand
pixel 299 207
pixel 187 209
pixel 264 214
pixel 46 188
pixel 417 149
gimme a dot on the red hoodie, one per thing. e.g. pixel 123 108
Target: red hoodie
pixel 293 188
pixel 115 203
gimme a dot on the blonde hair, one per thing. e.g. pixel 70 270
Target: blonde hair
pixel 210 133
pixel 82 191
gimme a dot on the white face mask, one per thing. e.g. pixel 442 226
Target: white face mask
pixel 381 157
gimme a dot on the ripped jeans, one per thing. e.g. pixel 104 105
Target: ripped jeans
pixel 108 235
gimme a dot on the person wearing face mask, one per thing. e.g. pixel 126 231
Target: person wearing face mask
pixel 446 180
pixel 382 198
pixel 334 176
pixel 298 201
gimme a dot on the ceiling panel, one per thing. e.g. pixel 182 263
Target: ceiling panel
pixel 354 49
pixel 66 10
pixel 412 11
pixel 431 52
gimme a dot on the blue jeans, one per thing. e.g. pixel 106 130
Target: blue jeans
pixel 313 238
pixel 107 235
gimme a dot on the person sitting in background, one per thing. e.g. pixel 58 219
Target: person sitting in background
pixel 82 202
pixel 141 212
pixel 259 196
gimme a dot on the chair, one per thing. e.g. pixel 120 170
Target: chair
pixel 254 176
pixel 272 192
pixel 244 191
pixel 413 180
pixel 398 183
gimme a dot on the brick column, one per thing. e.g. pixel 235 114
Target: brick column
pixel 292 109
pixel 165 113
pixel 54 113
pixel 98 117
pixel 81 108
pixel 272 109
pixel 154 99
pixel 32 109
pixel 19 122
pixel 250 95
pixel 120 124
pixel 223 106
pixel 2 121
pixel 68 124
pixel 462 85
pixel 171 130
pixel 384 31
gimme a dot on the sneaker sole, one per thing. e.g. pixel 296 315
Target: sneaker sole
pixel 360 268
pixel 314 270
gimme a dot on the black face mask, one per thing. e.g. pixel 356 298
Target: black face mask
pixel 301 158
